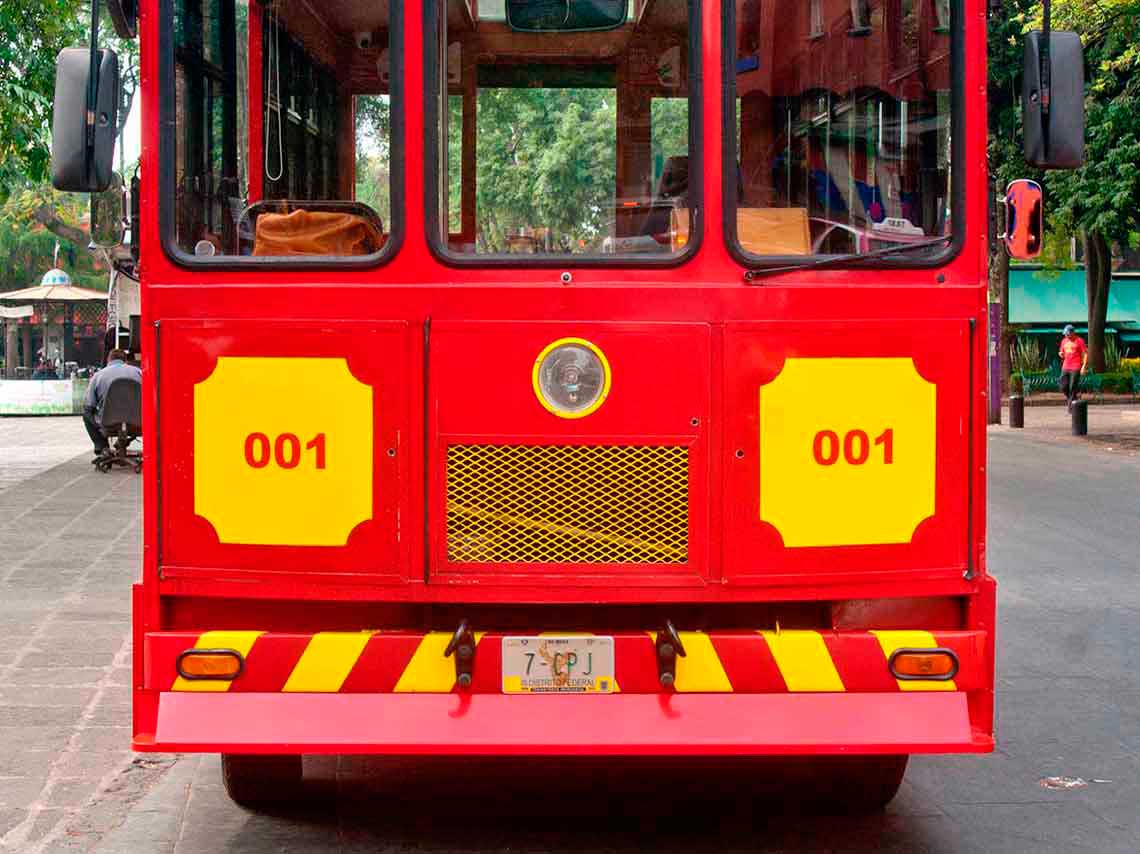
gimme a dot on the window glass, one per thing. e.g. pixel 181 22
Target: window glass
pixel 575 144
pixel 843 110
pixel 316 178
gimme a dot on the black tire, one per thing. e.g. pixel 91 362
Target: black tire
pixel 256 781
pixel 857 784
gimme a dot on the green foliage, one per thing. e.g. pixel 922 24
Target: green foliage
pixel 1113 355
pixel 32 32
pixel 373 156
pixel 1101 197
pixel 1028 355
pixel 546 157
pixel 27 248
pixel 1116 382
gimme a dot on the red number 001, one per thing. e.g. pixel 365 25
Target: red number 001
pixel 285 450
pixel 856 447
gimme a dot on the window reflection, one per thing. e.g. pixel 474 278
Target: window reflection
pixel 844 125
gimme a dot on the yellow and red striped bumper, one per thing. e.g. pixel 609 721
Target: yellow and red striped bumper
pixel 382 662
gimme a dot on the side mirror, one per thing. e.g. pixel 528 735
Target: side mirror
pixel 1053 101
pixel 108 211
pixel 1024 219
pixel 83 155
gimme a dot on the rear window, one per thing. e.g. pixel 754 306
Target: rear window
pixel 563 144
pixel 282 129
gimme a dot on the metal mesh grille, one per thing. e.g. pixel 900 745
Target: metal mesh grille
pixel 567 504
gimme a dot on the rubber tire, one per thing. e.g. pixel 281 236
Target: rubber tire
pixel 256 781
pixel 858 784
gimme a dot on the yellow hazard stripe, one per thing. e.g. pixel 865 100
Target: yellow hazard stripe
pixel 429 672
pixel 326 662
pixel 894 640
pixel 241 642
pixel 700 670
pixel 803 660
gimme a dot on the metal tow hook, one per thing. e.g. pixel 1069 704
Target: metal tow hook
pixel 668 647
pixel 462 646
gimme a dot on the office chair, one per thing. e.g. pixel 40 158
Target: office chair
pixel 121 423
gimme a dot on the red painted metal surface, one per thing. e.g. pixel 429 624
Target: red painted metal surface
pixel 936 316
pixel 745 657
pixel 754 551
pixel 692 724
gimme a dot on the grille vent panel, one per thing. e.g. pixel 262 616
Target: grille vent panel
pixel 567 504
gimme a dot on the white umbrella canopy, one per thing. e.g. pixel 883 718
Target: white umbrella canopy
pixel 52 293
pixel 54 287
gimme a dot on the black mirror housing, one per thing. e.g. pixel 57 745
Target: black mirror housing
pixel 72 169
pixel 564 16
pixel 1057 142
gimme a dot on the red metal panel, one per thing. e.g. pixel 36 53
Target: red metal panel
pixel 376 357
pixel 755 356
pixel 480 392
pixel 745 657
pixel 694 724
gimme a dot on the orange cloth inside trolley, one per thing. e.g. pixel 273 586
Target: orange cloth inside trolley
pixel 304 232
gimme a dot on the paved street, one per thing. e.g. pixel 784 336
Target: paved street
pixel 1063 543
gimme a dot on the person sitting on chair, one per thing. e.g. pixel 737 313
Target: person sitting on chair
pixel 117 367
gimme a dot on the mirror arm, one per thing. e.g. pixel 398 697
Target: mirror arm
pixel 93 84
pixel 1045 75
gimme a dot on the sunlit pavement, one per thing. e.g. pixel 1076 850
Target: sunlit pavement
pixel 1064 543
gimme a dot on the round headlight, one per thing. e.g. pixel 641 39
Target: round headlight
pixel 571 377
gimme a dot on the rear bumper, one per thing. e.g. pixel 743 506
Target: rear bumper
pixel 618 724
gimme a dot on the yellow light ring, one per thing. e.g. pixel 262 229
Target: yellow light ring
pixel 606 377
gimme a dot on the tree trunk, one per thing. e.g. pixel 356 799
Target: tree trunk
pixel 1098 277
pixel 45 215
pixel 999 292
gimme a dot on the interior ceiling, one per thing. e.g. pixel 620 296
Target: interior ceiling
pixel 667 15
pixel 352 16
pixel 346 17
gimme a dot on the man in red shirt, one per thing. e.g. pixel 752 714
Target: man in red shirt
pixel 1074 362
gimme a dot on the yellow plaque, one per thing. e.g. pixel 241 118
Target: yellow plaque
pixel 283 451
pixel 847 451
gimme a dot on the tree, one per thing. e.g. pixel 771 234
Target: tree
pixel 32 33
pixel 1100 200
pixel 1005 33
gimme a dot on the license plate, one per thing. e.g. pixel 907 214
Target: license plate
pixel 567 664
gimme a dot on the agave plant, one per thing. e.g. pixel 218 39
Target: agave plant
pixel 1113 355
pixel 1028 355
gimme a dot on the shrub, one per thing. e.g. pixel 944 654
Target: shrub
pixel 1116 382
pixel 1113 355
pixel 1028 355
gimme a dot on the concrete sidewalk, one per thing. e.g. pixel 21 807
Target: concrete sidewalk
pixel 1114 428
pixel 33 444
pixel 70 540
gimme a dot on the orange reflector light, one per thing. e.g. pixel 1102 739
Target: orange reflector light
pixel 221 664
pixel 935 664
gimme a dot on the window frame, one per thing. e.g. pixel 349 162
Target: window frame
pixel 729 154
pixel 167 167
pixel 435 35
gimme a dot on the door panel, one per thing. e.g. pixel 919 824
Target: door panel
pixel 281 447
pixel 519 494
pixel 847 450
